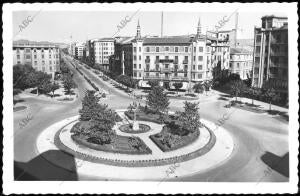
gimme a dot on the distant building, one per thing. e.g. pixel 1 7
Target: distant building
pixel 241 62
pixel 41 57
pixel 103 49
pixel 271 54
pixel 186 59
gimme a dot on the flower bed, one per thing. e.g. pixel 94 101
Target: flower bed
pixel 120 145
pixel 127 128
pixel 175 140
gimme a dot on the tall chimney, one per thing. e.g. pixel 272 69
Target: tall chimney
pixel 162 24
pixel 236 28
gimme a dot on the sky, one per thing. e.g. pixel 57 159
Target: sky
pixel 59 26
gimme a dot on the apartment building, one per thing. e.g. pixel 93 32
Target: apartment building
pixel 241 62
pixel 186 59
pixel 103 49
pixel 79 50
pixel 271 54
pixel 41 57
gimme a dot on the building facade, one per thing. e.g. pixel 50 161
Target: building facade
pixel 271 54
pixel 41 57
pixel 241 62
pixel 79 50
pixel 186 59
pixel 103 49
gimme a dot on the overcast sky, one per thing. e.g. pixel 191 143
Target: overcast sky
pixel 58 26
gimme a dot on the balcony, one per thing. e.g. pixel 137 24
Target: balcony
pixel 166 60
pixel 152 77
pixel 185 61
pixel 175 62
pixel 152 70
pixel 180 78
pixel 166 69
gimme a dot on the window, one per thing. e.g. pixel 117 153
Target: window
pixel 42 56
pixel 157 49
pixel 194 67
pixel 27 56
pixel 186 49
pixel 134 74
pixel 199 67
pixel 200 49
pixel 166 57
pixel 140 49
pixel 200 58
pixel 185 67
pixel 194 58
pixel 140 57
pixel 134 66
pixel 157 74
pixel 50 62
pixel 157 66
pixel 147 49
pixel 175 67
pixel 19 62
pixel 166 66
pixel 50 68
pixel 147 74
pixel 18 56
pixel 134 49
pixel 27 50
pixel 166 49
pixel 176 59
pixel 176 49
pixel 140 75
pixel 194 49
pixel 193 76
pixel 185 75
pixel 140 66
pixel 49 55
pixel 238 65
pixel 34 56
pixel 175 74
pixel 199 76
pixel 35 62
pixel 134 58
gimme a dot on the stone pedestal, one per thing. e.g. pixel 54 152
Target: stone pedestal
pixel 135 126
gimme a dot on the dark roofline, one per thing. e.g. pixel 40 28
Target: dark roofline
pixel 273 16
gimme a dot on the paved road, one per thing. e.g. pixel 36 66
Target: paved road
pixel 261 149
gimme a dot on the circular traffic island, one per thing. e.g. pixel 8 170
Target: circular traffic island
pixel 127 128
pixel 122 156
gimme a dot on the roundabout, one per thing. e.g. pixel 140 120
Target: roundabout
pixel 209 150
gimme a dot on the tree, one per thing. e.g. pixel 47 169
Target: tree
pixel 207 85
pixel 177 86
pixel 271 96
pixel 103 119
pixel 253 93
pixel 89 103
pixel 157 100
pixel 189 120
pixel 198 88
pixel 68 84
pixel 53 87
pixel 237 88
pixel 153 83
